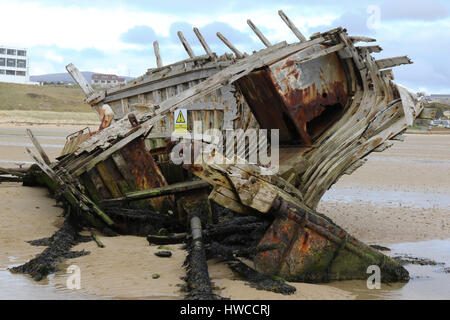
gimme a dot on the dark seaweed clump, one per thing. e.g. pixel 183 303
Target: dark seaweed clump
pixel 58 249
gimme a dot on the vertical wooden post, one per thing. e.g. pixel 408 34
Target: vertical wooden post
pixel 292 26
pixel 159 62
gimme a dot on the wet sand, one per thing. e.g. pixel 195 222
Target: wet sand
pixel 121 270
pixel 417 169
pixel 124 268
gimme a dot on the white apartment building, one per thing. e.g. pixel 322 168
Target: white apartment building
pixel 14 65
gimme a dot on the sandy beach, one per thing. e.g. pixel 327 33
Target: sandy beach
pixel 124 268
pixel 417 169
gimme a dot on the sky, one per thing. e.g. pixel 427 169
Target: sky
pixel 116 36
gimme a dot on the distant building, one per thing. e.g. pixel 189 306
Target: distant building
pixel 14 65
pixel 439 98
pixel 106 80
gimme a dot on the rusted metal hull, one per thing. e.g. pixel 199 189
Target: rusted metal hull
pixel 301 100
pixel 317 250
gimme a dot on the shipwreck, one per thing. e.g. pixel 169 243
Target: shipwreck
pixel 332 103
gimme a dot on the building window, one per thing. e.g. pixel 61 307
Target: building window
pixel 21 63
pixel 11 63
pixel 2 51
pixel 2 71
pixel 21 53
pixel 21 73
pixel 10 72
pixel 2 62
pixel 11 52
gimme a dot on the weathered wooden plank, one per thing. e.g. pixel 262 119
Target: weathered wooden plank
pixel 370 49
pixel 203 42
pixel 90 187
pixel 105 154
pixel 186 45
pixel 159 62
pixel 108 180
pixel 162 191
pixel 259 33
pixel 80 80
pixel 321 53
pixel 157 85
pixel 228 199
pixel 123 169
pixel 73 196
pixel 292 26
pixel 38 147
pixel 97 180
pixel 392 62
pixel 238 54
pixel 356 39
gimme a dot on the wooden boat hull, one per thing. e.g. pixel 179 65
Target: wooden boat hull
pixel 333 104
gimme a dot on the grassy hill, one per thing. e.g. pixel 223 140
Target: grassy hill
pixel 56 98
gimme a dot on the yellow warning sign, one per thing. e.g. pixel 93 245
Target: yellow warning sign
pixel 180 117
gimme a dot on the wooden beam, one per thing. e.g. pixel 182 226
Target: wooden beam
pixel 105 154
pixel 292 26
pixel 38 147
pixel 186 45
pixel 238 54
pixel 203 42
pixel 259 33
pixel 392 62
pixel 321 53
pixel 370 49
pixel 157 85
pixel 124 170
pixel 356 39
pixel 161 191
pixel 159 62
pixel 80 80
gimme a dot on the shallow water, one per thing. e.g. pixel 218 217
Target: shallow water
pixel 22 287
pixel 427 282
pixel 388 198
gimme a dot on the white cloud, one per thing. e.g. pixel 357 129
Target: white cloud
pixel 74 27
pixel 50 55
